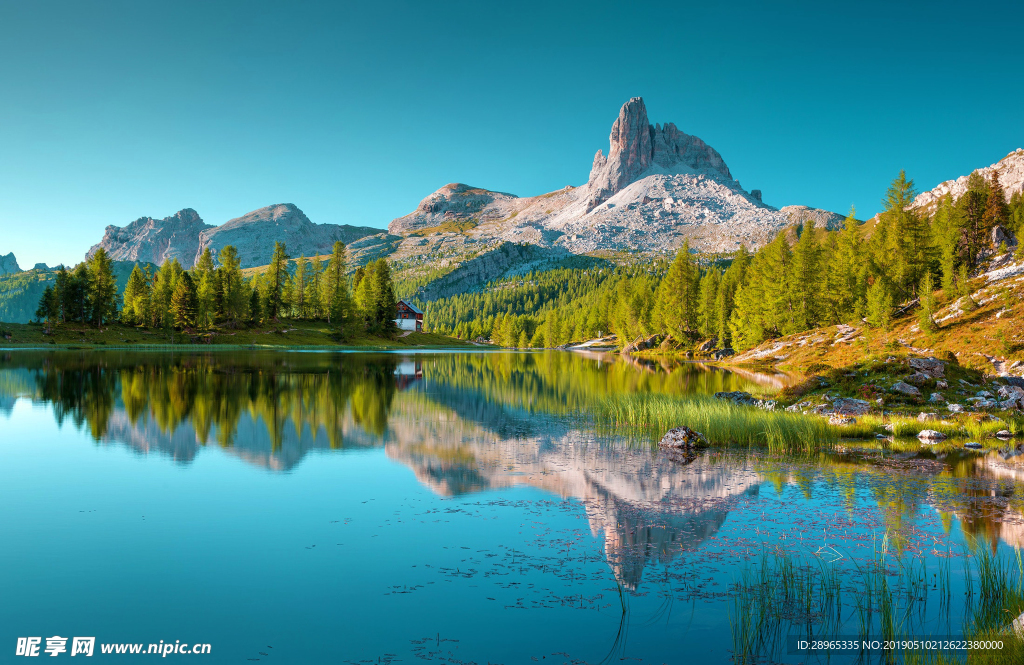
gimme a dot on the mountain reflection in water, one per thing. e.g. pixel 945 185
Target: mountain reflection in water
pixel 463 423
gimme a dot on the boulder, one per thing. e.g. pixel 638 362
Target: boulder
pixel 683 438
pixel 931 435
pixel 837 419
pixel 941 385
pixel 906 389
pixel 723 353
pixel 936 397
pixel 955 408
pixel 746 399
pixel 918 378
pixel 642 344
pixel 1004 434
pixel 933 367
pixel 850 407
pixel 973 445
pixel 1001 235
pixel 922 417
pixel 707 345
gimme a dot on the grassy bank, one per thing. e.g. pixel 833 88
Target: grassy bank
pixel 721 421
pixel 290 334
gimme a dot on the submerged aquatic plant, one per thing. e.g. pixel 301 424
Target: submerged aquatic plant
pixel 722 422
pixel 782 596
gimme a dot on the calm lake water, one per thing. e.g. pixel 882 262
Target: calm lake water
pixel 293 507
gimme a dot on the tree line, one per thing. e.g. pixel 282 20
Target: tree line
pixel 805 278
pixel 213 294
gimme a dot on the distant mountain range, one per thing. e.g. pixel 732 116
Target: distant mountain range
pixel 656 188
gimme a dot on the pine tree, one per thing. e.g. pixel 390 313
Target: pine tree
pixel 206 299
pixel 183 303
pixel 926 315
pixel 997 213
pixel 947 235
pixel 314 289
pixel 234 296
pixel 970 210
pixel 299 284
pixel 907 235
pixel 708 303
pixel 276 279
pixel 135 298
pixel 102 288
pixel 336 302
pixel 49 307
pixel 676 301
pixel 804 282
pixel 879 305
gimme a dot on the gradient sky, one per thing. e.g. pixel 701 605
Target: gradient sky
pixel 110 111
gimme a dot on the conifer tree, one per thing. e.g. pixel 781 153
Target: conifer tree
pixel 184 303
pixel 276 281
pixel 926 321
pixel 49 307
pixel 102 288
pixel 971 220
pixel 676 302
pixel 134 299
pixel 804 283
pixel 997 213
pixel 206 299
pixel 234 298
pixel 879 305
pixel 314 289
pixel 708 303
pixel 335 298
pixel 299 283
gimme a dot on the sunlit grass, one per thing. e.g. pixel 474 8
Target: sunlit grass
pixel 721 421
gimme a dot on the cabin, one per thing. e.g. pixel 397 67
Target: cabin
pixel 410 317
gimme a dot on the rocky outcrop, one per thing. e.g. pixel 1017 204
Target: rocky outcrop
pixel 184 236
pixel 254 234
pixel 9 264
pixel 1009 170
pixel 155 240
pixel 635 146
pixel 455 202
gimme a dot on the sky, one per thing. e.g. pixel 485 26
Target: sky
pixel 111 111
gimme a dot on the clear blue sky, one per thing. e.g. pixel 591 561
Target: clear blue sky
pixel 356 111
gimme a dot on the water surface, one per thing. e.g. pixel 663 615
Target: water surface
pixel 443 507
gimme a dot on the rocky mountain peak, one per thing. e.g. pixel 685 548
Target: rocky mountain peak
pixel 9 264
pixel 636 147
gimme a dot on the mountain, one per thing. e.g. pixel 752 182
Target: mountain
pixel 155 240
pixel 184 236
pixel 9 264
pixel 656 188
pixel 254 235
pixel 1009 170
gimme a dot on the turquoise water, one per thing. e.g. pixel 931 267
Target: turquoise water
pixel 458 508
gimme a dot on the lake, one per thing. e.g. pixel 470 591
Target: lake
pixel 314 507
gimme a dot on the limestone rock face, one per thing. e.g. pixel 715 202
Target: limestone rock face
pixel 184 236
pixel 9 264
pixel 1009 170
pixel 656 188
pixel 155 240
pixel 254 234
pixel 635 147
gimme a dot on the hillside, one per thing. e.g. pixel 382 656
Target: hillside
pixel 20 291
pixel 989 339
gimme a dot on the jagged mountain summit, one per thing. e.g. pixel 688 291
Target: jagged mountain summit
pixel 656 188
pixel 1009 170
pixel 184 236
pixel 9 264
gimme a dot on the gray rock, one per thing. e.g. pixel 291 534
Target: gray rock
pixel 918 378
pixel 906 389
pixel 922 417
pixel 1000 235
pixel 931 366
pixel 837 419
pixel 850 407
pixel 941 385
pixel 1004 434
pixel 936 397
pixel 955 408
pixel 973 445
pixel 682 438
pixel 931 435
pixel 9 264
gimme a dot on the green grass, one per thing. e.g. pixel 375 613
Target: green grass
pixel 287 334
pixel 722 422
pixel 783 595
